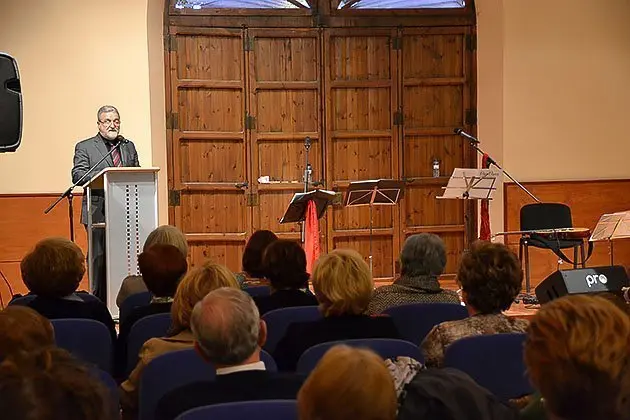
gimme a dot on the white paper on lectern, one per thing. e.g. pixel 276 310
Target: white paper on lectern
pixel 479 183
pixel 612 226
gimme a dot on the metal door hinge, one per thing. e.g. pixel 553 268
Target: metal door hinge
pixel 250 122
pixel 170 43
pixel 172 121
pixel 471 116
pixel 252 200
pixel 471 42
pixel 248 43
pixel 397 43
pixel 174 198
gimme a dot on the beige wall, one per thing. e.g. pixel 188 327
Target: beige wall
pixel 75 55
pixel 552 85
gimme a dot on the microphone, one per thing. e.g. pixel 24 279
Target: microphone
pixel 462 133
pixel 121 139
pixel 307 143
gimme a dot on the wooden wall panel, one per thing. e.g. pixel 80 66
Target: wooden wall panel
pixel 588 201
pixel 23 223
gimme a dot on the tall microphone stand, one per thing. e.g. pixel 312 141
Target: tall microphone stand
pixel 308 173
pixel 70 195
pixel 474 142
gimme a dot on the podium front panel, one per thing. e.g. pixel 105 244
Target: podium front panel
pixel 131 214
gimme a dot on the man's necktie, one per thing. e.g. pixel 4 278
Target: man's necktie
pixel 116 157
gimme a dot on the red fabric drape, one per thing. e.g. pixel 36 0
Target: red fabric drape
pixel 311 236
pixel 484 228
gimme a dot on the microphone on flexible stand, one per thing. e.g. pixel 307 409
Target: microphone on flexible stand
pixel 307 143
pixel 462 133
pixel 121 140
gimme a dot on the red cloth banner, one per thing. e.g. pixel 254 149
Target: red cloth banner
pixel 311 236
pixel 484 228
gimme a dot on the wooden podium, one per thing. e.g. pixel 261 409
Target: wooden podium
pixel 131 213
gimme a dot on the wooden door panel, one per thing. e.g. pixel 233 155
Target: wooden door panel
pixel 435 84
pixel 382 251
pixel 433 106
pixel 362 140
pixel 202 161
pixel 285 99
pixel 424 209
pixel 419 152
pixel 208 143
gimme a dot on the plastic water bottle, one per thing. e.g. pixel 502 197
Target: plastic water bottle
pixel 436 168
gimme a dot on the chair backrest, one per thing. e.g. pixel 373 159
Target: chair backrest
pixel 132 302
pixel 539 216
pixel 87 339
pixel 255 291
pixel 415 320
pixel 112 387
pixel 387 348
pixel 168 372
pixel 279 320
pixel 175 369
pixel 494 362
pixel 245 410
pixel 151 326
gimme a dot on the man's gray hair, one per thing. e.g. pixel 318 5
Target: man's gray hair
pixel 104 109
pixel 423 255
pixel 226 325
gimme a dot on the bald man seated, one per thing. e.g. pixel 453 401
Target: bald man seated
pixel 229 334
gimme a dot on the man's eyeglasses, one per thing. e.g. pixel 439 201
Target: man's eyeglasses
pixel 107 123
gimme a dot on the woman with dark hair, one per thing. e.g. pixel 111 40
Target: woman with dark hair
pixel 52 271
pixel 490 276
pixel 253 273
pixel 284 263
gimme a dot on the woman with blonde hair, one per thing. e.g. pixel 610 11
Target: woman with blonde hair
pixel 195 285
pixel 343 286
pixel 348 383
pixel 162 235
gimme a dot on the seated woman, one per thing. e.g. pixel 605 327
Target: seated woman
pixel 285 267
pixel 162 267
pixel 22 330
pixel 348 383
pixel 491 277
pixel 162 235
pixel 195 285
pixel 253 273
pixel 52 272
pixel 343 286
pixel 422 261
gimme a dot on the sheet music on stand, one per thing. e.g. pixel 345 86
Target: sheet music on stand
pixel 612 226
pixel 471 184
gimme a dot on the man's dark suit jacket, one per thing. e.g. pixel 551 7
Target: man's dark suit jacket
pixel 285 299
pixel 303 335
pixel 86 154
pixel 238 386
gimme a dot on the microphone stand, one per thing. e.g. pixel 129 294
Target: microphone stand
pixel 474 143
pixel 70 195
pixel 308 171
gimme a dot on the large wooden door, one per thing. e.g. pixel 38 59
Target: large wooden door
pixel 362 138
pixel 209 150
pixel 285 108
pixel 435 83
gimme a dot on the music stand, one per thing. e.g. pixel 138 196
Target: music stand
pixel 470 184
pixel 296 211
pixel 379 192
pixel 612 226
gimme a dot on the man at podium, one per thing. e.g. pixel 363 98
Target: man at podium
pixel 118 152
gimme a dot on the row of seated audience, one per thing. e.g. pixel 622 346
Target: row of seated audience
pixel 211 313
pixel 577 379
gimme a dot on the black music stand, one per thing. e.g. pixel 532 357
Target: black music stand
pixel 296 211
pixel 377 192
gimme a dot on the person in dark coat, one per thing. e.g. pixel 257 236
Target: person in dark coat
pixel 284 263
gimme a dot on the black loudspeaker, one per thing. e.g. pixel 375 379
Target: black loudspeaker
pixel 582 280
pixel 10 104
